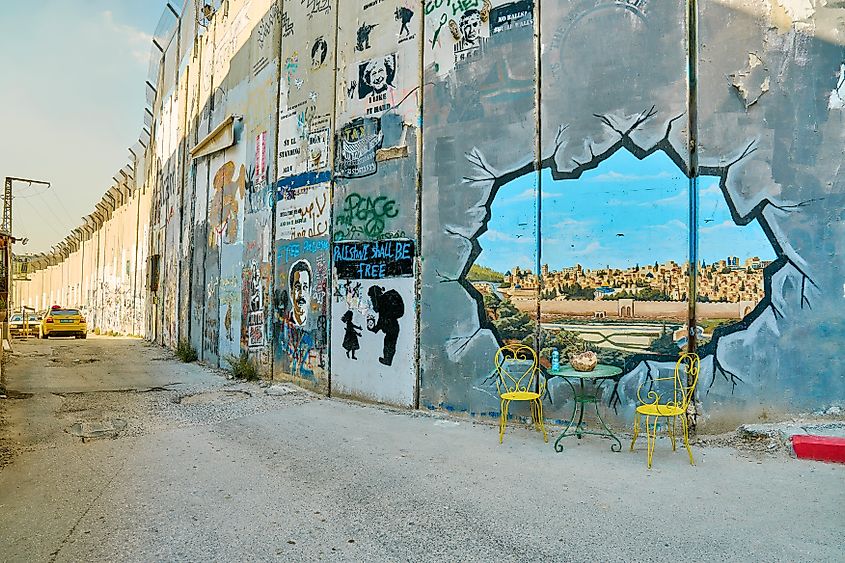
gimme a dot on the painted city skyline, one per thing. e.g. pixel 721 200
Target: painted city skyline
pixel 624 213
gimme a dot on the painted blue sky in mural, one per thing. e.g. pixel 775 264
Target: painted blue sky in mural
pixel 623 213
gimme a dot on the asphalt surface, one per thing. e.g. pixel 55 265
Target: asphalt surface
pixel 117 452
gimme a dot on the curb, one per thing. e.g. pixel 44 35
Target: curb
pixel 819 448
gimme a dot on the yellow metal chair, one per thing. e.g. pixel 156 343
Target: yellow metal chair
pixel 673 406
pixel 517 377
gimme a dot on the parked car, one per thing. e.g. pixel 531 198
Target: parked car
pixel 63 322
pixel 24 325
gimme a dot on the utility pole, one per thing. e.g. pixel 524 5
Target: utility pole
pixel 6 228
pixel 7 200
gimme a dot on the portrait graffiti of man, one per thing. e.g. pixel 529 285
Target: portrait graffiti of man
pixel 299 283
pixel 390 308
pixel 376 76
pixel 470 26
pixel 471 41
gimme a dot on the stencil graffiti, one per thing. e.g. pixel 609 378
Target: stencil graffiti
pixel 363 36
pixel 255 317
pixel 389 307
pixel 511 16
pixel 471 41
pixel 350 335
pixel 357 143
pixel 374 260
pixel 376 76
pixel 319 51
pixel 404 16
pixel 365 216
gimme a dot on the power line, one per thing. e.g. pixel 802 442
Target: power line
pixel 49 224
pixel 53 213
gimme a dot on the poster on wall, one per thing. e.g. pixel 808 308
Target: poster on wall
pixel 302 208
pixel 357 143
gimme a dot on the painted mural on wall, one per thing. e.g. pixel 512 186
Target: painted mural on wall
pixel 300 310
pixel 373 320
pixel 594 240
pixel 608 278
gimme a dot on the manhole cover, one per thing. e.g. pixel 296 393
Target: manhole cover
pixel 97 429
pixel 215 397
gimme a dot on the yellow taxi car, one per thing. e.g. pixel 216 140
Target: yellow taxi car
pixel 58 321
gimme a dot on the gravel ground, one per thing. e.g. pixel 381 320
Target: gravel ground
pixel 129 455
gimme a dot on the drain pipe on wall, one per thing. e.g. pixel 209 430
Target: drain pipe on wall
pixel 692 127
pixel 538 159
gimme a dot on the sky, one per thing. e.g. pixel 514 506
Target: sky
pixel 72 102
pixel 623 213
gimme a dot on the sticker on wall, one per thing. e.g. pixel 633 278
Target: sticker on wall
pixel 357 142
pixel 510 16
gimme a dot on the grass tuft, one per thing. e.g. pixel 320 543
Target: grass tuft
pixel 243 367
pixel 186 352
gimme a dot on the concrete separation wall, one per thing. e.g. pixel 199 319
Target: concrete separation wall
pixel 369 198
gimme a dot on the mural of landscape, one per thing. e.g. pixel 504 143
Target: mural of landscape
pixel 614 261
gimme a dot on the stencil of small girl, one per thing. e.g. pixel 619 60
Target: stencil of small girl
pixel 350 338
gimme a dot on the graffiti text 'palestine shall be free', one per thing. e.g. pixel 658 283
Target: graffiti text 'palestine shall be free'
pixel 374 260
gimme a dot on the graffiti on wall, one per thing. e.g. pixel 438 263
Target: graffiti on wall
pixel 375 261
pixel 373 322
pixel 357 143
pixel 225 204
pixel 366 217
pixel 300 309
pixel 302 208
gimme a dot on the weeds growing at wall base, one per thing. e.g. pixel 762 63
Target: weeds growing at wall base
pixel 186 352
pixel 243 367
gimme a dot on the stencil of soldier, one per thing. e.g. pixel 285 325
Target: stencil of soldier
pixel 390 308
pixel 363 36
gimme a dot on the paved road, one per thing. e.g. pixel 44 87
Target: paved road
pixel 193 467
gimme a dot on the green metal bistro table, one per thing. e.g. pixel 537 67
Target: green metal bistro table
pixel 582 396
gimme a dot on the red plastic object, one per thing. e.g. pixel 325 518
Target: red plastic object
pixel 820 448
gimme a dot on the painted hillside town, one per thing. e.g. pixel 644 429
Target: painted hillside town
pixel 312 279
